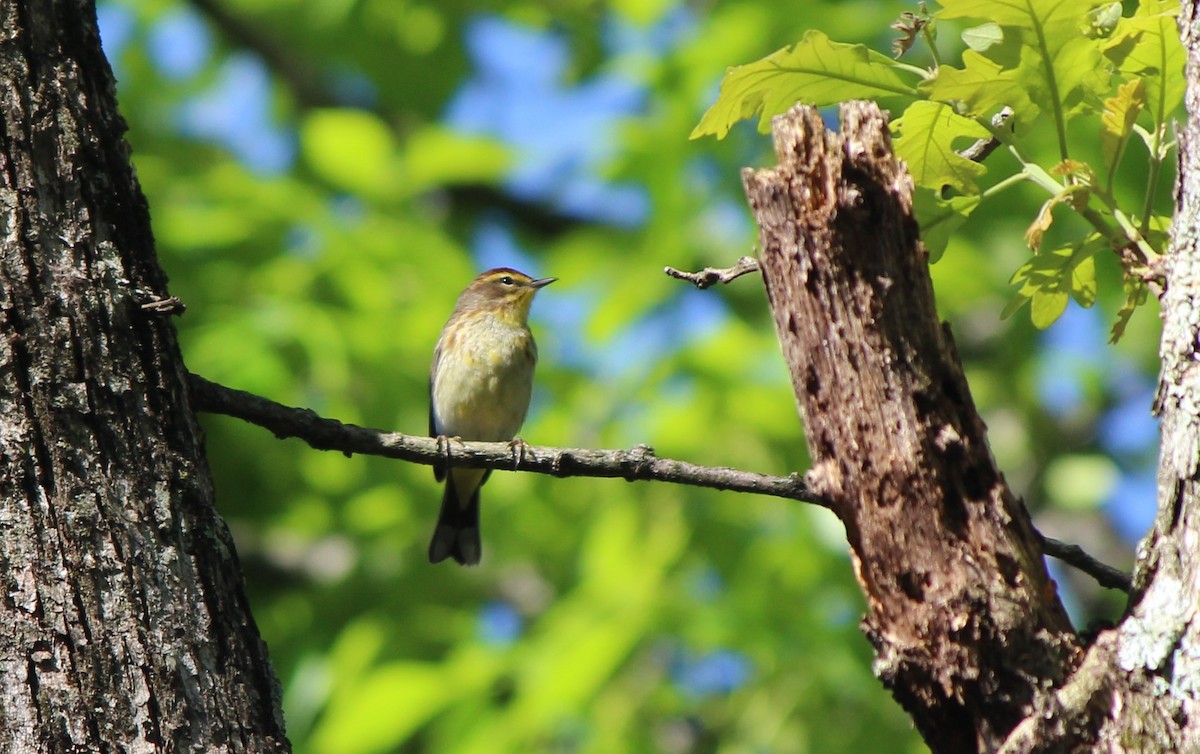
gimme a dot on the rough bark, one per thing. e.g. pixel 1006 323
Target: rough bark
pixel 1154 702
pixel 123 623
pixel 966 624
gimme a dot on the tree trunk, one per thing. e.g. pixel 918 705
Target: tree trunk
pixel 123 623
pixel 965 621
pixel 968 630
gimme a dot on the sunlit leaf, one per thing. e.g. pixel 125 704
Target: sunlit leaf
pixel 980 88
pixel 382 708
pixel 1022 14
pixel 1046 306
pixel 815 70
pixel 980 38
pixel 926 137
pixel 1048 279
pixel 1116 122
pixel 1147 46
pixel 1059 66
pixel 1136 294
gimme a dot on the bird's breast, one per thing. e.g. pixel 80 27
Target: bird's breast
pixel 483 384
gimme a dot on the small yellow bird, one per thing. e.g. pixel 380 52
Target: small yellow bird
pixel 479 389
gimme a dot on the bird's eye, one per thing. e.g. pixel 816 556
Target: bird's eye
pixel 506 280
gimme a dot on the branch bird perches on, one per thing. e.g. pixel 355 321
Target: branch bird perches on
pixel 635 464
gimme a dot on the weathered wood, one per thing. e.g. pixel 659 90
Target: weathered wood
pixel 123 623
pixel 966 623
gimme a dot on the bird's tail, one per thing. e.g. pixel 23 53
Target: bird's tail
pixel 457 532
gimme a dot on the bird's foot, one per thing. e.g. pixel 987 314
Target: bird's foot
pixel 443 449
pixel 519 449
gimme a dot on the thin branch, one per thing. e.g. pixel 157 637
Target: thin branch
pixel 979 151
pixel 637 463
pixel 710 276
pixel 1074 555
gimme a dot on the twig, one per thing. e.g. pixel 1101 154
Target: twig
pixel 1074 555
pixel 637 463
pixel 151 301
pixel 979 151
pixel 710 276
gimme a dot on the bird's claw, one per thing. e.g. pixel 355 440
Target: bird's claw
pixel 443 449
pixel 519 449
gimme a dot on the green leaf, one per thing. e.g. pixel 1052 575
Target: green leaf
pixel 925 139
pixel 1135 295
pixel 351 149
pixel 1059 65
pixel 436 156
pixel 815 70
pixel 1116 122
pixel 1024 14
pixel 1049 278
pixel 1147 46
pixel 980 38
pixel 980 88
pixel 1104 19
pixel 939 218
pixel 1047 307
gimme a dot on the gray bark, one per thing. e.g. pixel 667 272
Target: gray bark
pixel 123 623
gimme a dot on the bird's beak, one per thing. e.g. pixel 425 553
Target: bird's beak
pixel 541 283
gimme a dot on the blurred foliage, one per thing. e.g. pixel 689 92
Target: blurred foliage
pixel 318 266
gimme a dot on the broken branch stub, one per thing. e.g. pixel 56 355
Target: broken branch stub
pixel 966 623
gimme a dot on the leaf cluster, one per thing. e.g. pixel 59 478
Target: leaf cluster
pixel 1075 73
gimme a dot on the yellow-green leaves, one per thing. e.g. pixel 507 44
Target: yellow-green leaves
pixel 1116 122
pixel 1146 46
pixel 1068 68
pixel 437 156
pixel 980 88
pixel 1051 277
pixel 815 70
pixel 1057 66
pixel 926 137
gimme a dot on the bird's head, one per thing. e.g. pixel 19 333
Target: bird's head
pixel 504 291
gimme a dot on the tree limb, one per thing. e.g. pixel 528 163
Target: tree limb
pixel 636 464
pixel 710 276
pixel 979 151
pixel 1074 555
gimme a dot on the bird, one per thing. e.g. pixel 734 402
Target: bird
pixel 480 385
